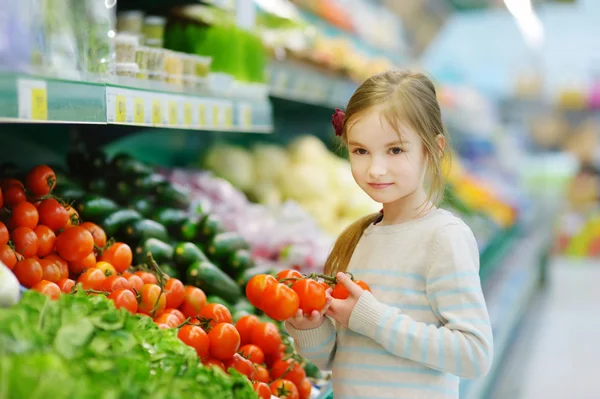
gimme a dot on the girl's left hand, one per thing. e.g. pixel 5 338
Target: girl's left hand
pixel 341 309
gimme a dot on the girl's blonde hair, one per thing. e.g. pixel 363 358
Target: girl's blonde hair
pixel 403 96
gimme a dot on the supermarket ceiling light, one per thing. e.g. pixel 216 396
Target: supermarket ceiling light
pixel 528 22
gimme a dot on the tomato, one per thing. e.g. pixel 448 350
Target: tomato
pixel 84 264
pixel 292 369
pixel 62 264
pixel 106 268
pixel 176 312
pixel 195 337
pixel 46 240
pixel 147 277
pixel 175 291
pixel 66 285
pixel 245 325
pixel 252 353
pixel 51 270
pixel 215 313
pixel 92 279
pixel 169 319
pixel 257 286
pixel 124 299
pixel 241 364
pixel 53 214
pixel 224 341
pixel 25 240
pixel 340 292
pixel 14 195
pixel 288 274
pixel 8 182
pixel 8 256
pixel 24 215
pixel 47 288
pixel 284 389
pixel 163 326
pixel 215 363
pixel 136 282
pixel 29 272
pixel 266 336
pixel 4 236
pixel 262 390
pixel 311 294
pixel 152 302
pixel 324 285
pixel 97 232
pixel 193 301
pixel 41 180
pixel 119 255
pixel 280 302
pixel 261 374
pixel 304 389
pixel 73 216
pixel 114 282
pixel 74 244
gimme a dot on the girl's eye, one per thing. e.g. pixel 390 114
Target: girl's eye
pixel 360 151
pixel 395 150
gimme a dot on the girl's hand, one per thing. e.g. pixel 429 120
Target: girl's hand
pixel 314 320
pixel 341 309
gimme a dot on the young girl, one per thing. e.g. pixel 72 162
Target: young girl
pixel 425 323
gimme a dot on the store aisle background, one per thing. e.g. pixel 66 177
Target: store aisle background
pixel 556 353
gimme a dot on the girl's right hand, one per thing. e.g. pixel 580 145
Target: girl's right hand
pixel 314 320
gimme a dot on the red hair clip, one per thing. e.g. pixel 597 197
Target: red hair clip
pixel 337 120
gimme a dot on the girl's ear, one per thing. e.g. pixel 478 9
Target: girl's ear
pixel 441 141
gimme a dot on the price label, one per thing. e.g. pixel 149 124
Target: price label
pixel 156 112
pixel 138 110
pixel 228 117
pixel 39 104
pixel 187 114
pixel 32 99
pixel 120 109
pixel 215 115
pixel 173 113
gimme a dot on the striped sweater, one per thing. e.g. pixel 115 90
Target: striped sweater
pixel 424 325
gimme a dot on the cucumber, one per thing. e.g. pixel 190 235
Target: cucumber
pixel 169 270
pixel 149 183
pixel 123 191
pixel 138 231
pixel 187 231
pixel 223 245
pixel 126 165
pixel 161 251
pixel 213 281
pixel 98 186
pixel 71 194
pixel 144 205
pixel 115 220
pixel 169 216
pixel 244 305
pixel 238 314
pixel 311 370
pixel 240 261
pixel 210 226
pixel 186 253
pixel 243 279
pixel 94 207
pixel 218 299
pixel 173 196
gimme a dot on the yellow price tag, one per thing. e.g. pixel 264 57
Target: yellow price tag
pixel 187 114
pixel 156 112
pixel 202 115
pixel 173 114
pixel 138 110
pixel 215 115
pixel 39 104
pixel 228 117
pixel 247 117
pixel 121 109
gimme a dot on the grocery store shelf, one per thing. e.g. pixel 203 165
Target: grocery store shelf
pixel 44 100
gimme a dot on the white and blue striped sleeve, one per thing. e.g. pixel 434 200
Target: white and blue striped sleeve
pixel 463 344
pixel 318 344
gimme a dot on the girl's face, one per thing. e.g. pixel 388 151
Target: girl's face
pixel 386 168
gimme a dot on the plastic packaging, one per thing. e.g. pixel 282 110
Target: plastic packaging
pixel 202 65
pixel 126 46
pixel 154 30
pixel 129 69
pixel 142 58
pixel 130 22
pixel 174 67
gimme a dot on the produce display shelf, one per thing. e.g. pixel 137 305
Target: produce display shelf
pixel 33 99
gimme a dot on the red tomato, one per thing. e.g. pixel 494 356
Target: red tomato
pixel 195 337
pixel 163 326
pixel 261 374
pixel 51 270
pixel 53 214
pixel 14 195
pixel 92 279
pixel 242 365
pixel 47 288
pixel 74 244
pixel 193 301
pixel 8 182
pixel 168 319
pixel 124 299
pixel 224 341
pixel 245 325
pixel 119 255
pixel 80 266
pixel 25 240
pixel 284 389
pixel 304 389
pixel 66 285
pixel 175 291
pixel 46 240
pixel 311 294
pixel 114 282
pixel 106 268
pixel 73 216
pixel 292 369
pixel 97 232
pixel 324 285
pixel 4 236
pixel 266 336
pixel 280 302
pixel 262 390
pixel 62 264
pixel 175 312
pixel 24 215
pixel 29 272
pixel 252 353
pixel 288 274
pixel 8 256
pixel 136 282
pixel 257 286
pixel 340 292
pixel 41 180
pixel 215 313
pixel 215 363
pixel 152 302
pixel 147 277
